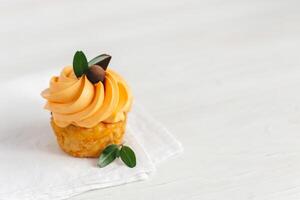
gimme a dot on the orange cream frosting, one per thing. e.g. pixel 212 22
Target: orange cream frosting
pixel 77 101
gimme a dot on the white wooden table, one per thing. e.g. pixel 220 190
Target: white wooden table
pixel 224 76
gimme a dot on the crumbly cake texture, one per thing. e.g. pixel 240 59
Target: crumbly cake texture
pixel 89 142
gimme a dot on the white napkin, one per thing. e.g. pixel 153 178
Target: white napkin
pixel 32 166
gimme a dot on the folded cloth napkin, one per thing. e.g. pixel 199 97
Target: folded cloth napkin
pixel 33 166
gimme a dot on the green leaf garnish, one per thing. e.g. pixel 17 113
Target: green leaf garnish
pixel 101 60
pixel 113 151
pixel 80 64
pixel 118 154
pixel 128 157
pixel 108 155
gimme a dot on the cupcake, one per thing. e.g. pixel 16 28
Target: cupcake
pixel 89 105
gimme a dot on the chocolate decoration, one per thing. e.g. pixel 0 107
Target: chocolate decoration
pixel 102 60
pixel 95 74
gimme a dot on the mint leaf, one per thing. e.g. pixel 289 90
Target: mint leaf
pixel 128 157
pixel 80 64
pixel 118 154
pixel 108 155
pixel 101 60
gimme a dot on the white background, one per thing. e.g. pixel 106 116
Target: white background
pixel 223 76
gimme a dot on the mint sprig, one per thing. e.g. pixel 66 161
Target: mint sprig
pixel 80 64
pixel 113 151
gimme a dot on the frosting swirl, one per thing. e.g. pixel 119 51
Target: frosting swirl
pixel 79 102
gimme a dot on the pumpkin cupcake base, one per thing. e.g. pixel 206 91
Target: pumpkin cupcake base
pixel 89 142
